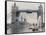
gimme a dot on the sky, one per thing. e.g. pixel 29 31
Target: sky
pixel 30 6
